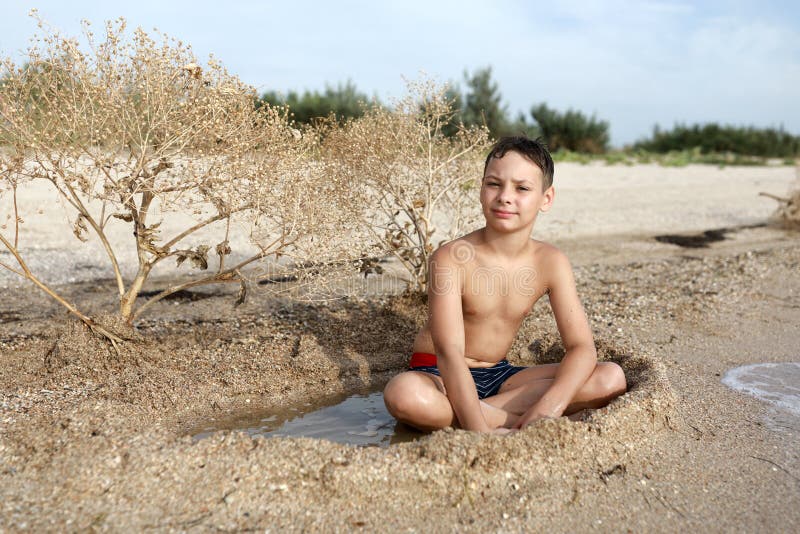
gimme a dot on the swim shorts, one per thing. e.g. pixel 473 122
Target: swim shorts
pixel 487 379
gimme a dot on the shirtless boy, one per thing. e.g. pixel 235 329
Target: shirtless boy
pixel 481 287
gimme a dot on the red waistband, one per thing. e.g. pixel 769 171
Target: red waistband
pixel 422 359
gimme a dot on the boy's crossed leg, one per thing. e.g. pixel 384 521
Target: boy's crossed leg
pixel 419 399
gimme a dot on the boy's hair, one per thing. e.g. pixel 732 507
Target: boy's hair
pixel 533 149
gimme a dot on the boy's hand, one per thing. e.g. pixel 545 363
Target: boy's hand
pixel 532 416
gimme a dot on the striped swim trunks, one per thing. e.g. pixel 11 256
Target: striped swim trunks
pixel 487 379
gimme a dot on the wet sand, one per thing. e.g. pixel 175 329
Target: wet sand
pixel 91 440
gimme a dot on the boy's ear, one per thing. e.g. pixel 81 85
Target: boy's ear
pixel 547 198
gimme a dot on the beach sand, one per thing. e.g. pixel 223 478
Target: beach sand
pixel 93 440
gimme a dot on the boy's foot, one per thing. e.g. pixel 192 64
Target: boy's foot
pixel 497 417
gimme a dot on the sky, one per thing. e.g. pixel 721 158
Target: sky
pixel 633 63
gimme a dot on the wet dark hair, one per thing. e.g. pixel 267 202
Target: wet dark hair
pixel 533 149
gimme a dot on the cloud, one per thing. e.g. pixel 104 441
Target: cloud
pixel 668 7
pixel 638 64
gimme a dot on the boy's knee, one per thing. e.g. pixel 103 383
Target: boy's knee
pixel 399 397
pixel 611 379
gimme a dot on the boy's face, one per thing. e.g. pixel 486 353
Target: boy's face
pixel 511 192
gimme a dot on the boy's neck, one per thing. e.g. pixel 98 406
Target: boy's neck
pixel 509 245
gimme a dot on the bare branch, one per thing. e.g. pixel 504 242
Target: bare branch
pixel 11 269
pixel 58 298
pixel 773 197
pixel 103 239
pixel 16 215
pixel 219 252
pixel 171 243
pixel 225 276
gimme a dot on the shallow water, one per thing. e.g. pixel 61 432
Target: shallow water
pixel 775 383
pixel 360 419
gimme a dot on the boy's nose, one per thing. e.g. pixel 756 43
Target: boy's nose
pixel 504 197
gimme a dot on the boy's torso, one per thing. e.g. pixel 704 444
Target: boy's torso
pixel 497 295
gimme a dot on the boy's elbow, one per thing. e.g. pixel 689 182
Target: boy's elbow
pixel 592 352
pixel 449 353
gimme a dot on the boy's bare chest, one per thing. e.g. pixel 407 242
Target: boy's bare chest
pixel 496 292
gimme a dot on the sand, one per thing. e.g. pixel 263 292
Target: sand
pixel 94 440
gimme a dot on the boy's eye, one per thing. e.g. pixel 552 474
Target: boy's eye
pixel 522 188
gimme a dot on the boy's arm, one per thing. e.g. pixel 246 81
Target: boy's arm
pixel 580 357
pixel 447 330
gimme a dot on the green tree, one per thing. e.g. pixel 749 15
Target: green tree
pixel 344 101
pixel 483 103
pixel 715 138
pixel 571 130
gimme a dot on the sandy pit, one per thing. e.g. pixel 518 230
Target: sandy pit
pixel 90 439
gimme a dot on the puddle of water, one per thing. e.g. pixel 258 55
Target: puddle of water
pixel 360 419
pixel 776 383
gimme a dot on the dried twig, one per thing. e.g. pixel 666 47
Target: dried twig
pixel 777 466
pixel 26 272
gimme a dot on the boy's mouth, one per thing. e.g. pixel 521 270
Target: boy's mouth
pixel 502 214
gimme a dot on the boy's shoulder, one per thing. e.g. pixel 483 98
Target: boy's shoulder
pixel 553 266
pixel 549 259
pixel 547 251
pixel 460 250
pixel 464 250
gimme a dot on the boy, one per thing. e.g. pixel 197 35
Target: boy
pixel 480 288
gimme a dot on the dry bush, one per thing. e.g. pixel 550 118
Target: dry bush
pixel 412 186
pixel 788 212
pixel 123 125
pixel 791 213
